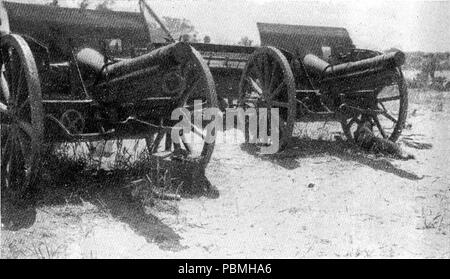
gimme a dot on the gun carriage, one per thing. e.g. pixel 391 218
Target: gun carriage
pixel 316 74
pixel 58 84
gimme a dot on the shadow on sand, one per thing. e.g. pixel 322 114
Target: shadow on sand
pixel 308 148
pixel 110 192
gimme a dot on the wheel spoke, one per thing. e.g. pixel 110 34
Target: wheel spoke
pixel 266 81
pixel 10 163
pixel 191 109
pixel 190 92
pixel 278 90
pixel 280 104
pixel 168 144
pixel 156 142
pixel 388 116
pixel 9 81
pixel 380 128
pixel 25 146
pixel 9 68
pixel 388 99
pixel 148 141
pixel 6 149
pixel 23 105
pixel 252 100
pixel 18 87
pixel 255 86
pixel 8 57
pixel 186 144
pixel 197 131
pixel 383 106
pixel 16 76
pixel 13 144
pixel 27 128
pixel 3 108
pixel 4 87
pixel 185 69
pixel 258 69
pixel 272 77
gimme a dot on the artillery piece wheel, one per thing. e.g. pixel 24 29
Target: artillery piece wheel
pixel 22 117
pixel 392 101
pixel 198 84
pixel 268 82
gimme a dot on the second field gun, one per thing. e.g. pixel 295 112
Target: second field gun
pixel 315 74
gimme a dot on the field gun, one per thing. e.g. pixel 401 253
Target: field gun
pixel 55 90
pixel 315 73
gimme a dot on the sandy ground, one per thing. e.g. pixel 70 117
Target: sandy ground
pixel 318 199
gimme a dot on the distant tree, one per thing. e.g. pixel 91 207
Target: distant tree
pixel 84 4
pixel 185 38
pixel 392 49
pixel 105 5
pixel 54 3
pixel 179 27
pixel 194 38
pixel 245 41
pixel 207 39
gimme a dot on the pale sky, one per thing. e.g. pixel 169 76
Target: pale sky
pixel 409 25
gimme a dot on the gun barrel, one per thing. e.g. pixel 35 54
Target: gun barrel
pixel 131 79
pixel 91 61
pixel 322 69
pixel 168 55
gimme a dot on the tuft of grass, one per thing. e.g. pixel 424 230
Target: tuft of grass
pixel 432 98
pixel 70 160
pixel 439 107
pixel 44 250
pixel 432 220
pixel 157 189
pixel 72 164
pixel 326 130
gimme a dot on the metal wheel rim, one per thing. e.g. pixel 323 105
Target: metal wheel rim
pixel 202 79
pixel 277 65
pixel 21 139
pixel 348 124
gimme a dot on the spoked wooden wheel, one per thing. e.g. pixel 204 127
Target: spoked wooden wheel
pixel 390 111
pixel 22 115
pixel 198 88
pixel 268 82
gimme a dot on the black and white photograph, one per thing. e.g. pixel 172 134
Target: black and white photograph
pixel 225 129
